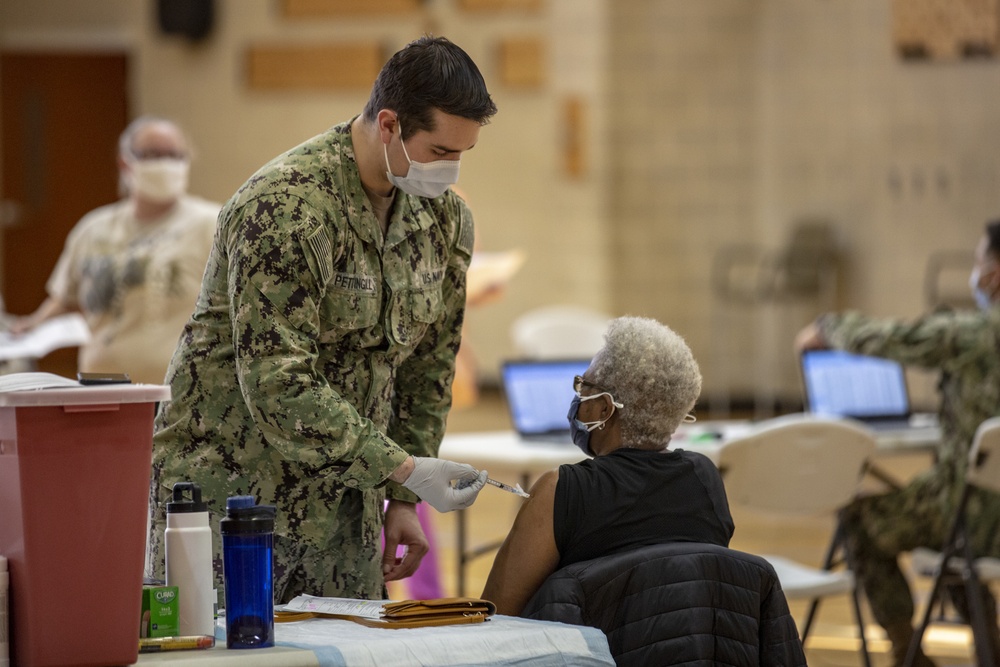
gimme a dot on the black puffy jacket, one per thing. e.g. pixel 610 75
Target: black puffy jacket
pixel 677 603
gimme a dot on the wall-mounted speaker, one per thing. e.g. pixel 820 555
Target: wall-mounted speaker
pixel 189 18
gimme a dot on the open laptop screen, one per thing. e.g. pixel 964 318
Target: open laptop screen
pixel 539 393
pixel 854 385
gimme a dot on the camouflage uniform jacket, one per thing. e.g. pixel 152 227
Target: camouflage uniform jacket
pixel 964 346
pixel 320 354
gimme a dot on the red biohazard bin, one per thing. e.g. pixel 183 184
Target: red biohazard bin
pixel 74 487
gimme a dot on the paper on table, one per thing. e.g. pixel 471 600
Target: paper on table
pixel 63 331
pixel 489 270
pixel 340 606
pixel 34 380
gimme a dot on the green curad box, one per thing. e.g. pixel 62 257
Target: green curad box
pixel 159 611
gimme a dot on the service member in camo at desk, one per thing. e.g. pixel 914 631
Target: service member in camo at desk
pixel 315 372
pixel 965 348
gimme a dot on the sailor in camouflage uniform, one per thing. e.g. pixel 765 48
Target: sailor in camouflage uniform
pixel 965 348
pixel 315 373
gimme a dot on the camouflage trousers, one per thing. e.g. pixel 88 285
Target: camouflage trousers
pixel 351 569
pixel 297 569
pixel 303 569
pixel 877 529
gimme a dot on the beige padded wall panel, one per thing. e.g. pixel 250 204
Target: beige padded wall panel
pixel 315 67
pixel 321 8
pixel 945 29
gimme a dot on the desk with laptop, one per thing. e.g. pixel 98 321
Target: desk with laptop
pixel 538 394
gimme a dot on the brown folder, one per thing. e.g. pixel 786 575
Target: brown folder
pixel 411 613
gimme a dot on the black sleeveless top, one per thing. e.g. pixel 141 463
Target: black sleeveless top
pixel 632 498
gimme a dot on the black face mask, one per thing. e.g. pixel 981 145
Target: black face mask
pixel 577 429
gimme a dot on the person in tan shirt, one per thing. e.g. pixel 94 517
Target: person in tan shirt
pixel 133 268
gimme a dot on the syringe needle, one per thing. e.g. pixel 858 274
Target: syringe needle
pixel 516 490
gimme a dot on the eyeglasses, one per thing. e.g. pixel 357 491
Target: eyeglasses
pixel 157 154
pixel 579 382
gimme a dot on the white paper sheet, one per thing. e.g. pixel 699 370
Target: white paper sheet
pixel 62 331
pixel 33 380
pixel 341 606
pixel 491 270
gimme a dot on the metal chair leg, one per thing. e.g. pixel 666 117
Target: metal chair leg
pixel 828 558
pixel 865 657
pixel 978 619
pixel 950 547
pixel 856 599
pixel 836 544
pixel 918 635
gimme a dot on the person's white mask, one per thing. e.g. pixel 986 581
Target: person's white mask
pixel 423 179
pixel 979 294
pixel 159 180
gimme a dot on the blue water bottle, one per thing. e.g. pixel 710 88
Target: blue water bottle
pixel 247 551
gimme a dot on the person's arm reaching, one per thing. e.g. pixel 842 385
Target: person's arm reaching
pixel 402 528
pixel 424 380
pixel 529 554
pixel 445 485
pixel 931 341
pixel 277 324
pixel 275 297
pixel 50 308
pixel 810 338
pixel 63 284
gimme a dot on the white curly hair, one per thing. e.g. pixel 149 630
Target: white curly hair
pixel 650 370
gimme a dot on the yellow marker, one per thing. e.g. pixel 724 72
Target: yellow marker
pixel 151 644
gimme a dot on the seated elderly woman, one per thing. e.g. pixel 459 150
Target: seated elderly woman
pixel 634 492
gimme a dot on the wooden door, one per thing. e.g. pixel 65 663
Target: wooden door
pixel 60 118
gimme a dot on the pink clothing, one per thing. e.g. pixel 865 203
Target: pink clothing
pixel 425 583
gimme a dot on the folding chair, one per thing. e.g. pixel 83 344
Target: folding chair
pixel 802 465
pixel 559 332
pixel 712 605
pixel 956 561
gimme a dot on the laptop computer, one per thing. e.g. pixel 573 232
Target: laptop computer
pixel 538 394
pixel 870 389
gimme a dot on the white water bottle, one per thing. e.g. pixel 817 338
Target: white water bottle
pixel 188 551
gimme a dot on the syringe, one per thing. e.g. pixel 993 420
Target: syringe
pixel 516 489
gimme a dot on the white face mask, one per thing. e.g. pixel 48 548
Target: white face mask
pixel 160 180
pixel 982 298
pixel 423 179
